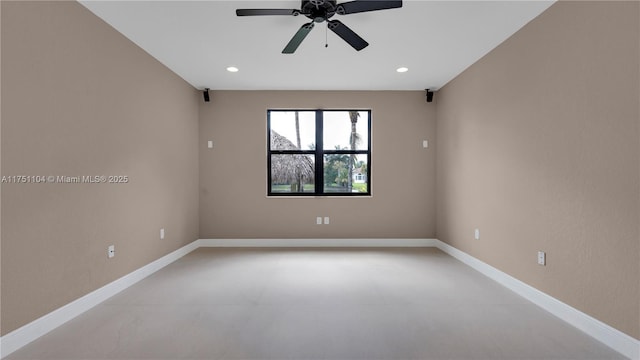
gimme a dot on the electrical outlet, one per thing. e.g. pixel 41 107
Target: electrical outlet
pixel 319 220
pixel 210 144
pixel 111 251
pixel 162 234
pixel 542 258
pixel 326 220
pixel 476 234
pixel 425 143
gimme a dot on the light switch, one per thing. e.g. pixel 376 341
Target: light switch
pixel 210 144
pixel 542 258
pixel 425 143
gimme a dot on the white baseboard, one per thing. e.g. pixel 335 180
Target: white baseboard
pixel 318 242
pixel 35 329
pixel 613 338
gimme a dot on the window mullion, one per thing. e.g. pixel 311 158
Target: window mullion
pixel 319 177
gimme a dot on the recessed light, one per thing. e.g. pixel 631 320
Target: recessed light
pixel 232 69
pixel 402 69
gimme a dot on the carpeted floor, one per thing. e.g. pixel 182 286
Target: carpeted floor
pixel 316 304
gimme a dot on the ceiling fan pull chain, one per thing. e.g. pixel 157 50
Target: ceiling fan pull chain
pixel 326 37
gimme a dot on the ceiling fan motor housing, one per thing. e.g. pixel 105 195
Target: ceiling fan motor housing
pixel 319 10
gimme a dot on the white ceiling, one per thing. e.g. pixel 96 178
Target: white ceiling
pixel 198 40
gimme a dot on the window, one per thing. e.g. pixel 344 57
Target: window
pixel 321 152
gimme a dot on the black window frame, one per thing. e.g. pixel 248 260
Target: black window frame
pixel 319 154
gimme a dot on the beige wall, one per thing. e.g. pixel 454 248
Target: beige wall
pixel 538 147
pixel 233 185
pixel 80 99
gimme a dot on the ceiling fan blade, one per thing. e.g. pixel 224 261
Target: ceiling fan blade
pixel 260 12
pixel 347 35
pixel 297 38
pixel 358 6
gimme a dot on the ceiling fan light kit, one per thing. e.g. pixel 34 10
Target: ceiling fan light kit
pixel 321 11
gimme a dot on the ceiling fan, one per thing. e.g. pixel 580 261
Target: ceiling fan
pixel 322 10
